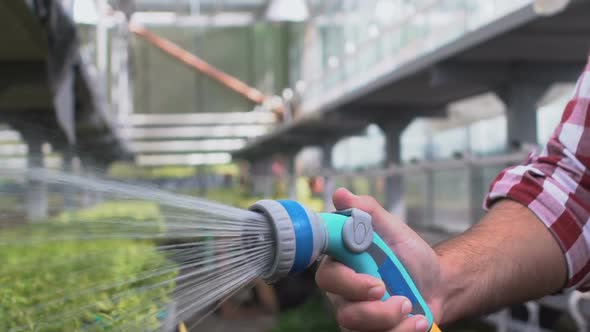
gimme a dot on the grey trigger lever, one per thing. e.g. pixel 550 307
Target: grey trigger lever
pixel 357 233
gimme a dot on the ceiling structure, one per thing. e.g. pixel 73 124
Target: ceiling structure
pixel 48 92
pixel 257 8
pixel 522 45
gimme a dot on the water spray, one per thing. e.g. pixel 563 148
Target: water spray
pixel 301 236
pixel 190 256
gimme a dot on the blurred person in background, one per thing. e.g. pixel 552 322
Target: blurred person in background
pixel 533 241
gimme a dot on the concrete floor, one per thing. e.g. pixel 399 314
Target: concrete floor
pixel 214 324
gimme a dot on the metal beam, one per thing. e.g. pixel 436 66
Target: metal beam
pixel 534 46
pixel 10 135
pixel 480 73
pixel 205 6
pixel 22 31
pixel 384 113
pixel 211 145
pixel 183 159
pixel 492 74
pixel 23 72
pixel 154 19
pixel 22 98
pixel 230 118
pixel 21 162
pixel 206 131
pixel 17 149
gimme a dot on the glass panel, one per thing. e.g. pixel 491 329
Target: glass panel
pixel 451 200
pixel 417 203
pixel 378 191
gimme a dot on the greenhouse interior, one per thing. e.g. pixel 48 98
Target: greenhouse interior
pixel 175 165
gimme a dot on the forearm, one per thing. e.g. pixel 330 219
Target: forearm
pixel 509 257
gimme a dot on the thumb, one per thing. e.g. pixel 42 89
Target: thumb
pixel 383 222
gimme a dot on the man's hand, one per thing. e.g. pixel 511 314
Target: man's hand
pixel 356 297
pixel 508 257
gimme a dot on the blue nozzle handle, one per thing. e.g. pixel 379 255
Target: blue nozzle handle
pixel 347 242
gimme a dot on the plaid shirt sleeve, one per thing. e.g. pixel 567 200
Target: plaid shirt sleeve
pixel 555 184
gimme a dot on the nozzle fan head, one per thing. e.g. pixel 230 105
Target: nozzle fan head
pixel 284 238
pixel 299 236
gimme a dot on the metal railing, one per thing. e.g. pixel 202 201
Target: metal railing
pixel 104 52
pixel 428 27
pixel 440 197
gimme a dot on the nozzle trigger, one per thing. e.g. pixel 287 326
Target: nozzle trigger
pixel 357 232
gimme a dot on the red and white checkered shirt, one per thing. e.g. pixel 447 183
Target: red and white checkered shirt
pixel 555 184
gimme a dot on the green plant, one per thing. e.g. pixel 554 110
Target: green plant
pixel 113 211
pixel 312 316
pixel 68 283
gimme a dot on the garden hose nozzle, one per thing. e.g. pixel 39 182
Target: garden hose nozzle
pixel 302 236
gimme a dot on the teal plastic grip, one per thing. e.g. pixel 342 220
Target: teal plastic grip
pixel 378 261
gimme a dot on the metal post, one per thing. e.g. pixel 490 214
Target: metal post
pixel 268 188
pixel 92 169
pixel 68 192
pixel 430 204
pixel 533 309
pixel 201 181
pixel 574 301
pixel 37 203
pixel 502 322
pixel 329 183
pixel 394 195
pixel 99 196
pixel 121 49
pixel 292 174
pixel 254 180
pixel 476 185
pixel 475 182
pixel 88 196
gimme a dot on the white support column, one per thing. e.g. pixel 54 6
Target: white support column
pixel 37 203
pixel 329 183
pixel 102 39
pixel 521 100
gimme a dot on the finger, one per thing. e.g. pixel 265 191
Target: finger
pixel 336 300
pixel 374 315
pixel 344 329
pixel 339 279
pixel 416 323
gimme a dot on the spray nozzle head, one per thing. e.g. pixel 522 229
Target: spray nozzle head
pixel 299 236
